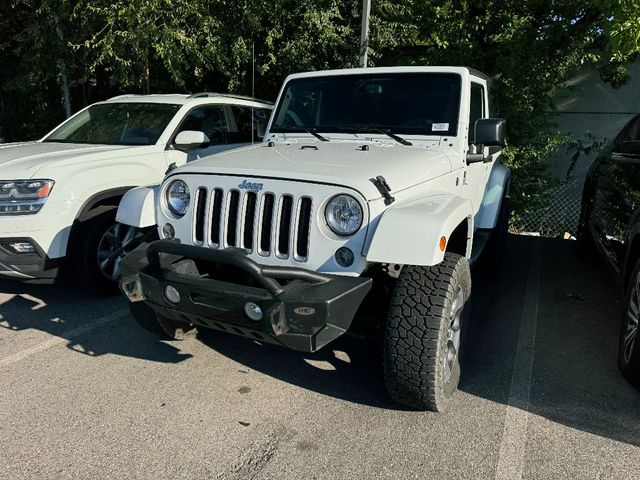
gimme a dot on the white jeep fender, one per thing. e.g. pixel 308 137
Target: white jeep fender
pixel 137 207
pixel 494 193
pixel 409 233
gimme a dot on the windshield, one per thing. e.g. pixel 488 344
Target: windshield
pixel 403 103
pixel 117 124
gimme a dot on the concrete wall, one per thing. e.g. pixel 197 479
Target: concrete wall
pixel 590 105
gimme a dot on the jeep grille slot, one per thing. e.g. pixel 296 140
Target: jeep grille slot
pixel 232 218
pixel 216 216
pixel 284 225
pixel 266 223
pixel 262 223
pixel 201 204
pixel 249 220
pixel 302 231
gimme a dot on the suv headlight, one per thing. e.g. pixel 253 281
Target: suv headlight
pixel 177 197
pixel 343 214
pixel 23 197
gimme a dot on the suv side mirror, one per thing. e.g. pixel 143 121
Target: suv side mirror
pixel 490 132
pixel 261 127
pixel 190 139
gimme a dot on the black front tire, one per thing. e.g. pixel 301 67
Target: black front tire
pixel 417 333
pixel 629 343
pixel 101 238
pixel 87 267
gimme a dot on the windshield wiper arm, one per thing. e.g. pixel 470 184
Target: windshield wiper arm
pixel 372 129
pixel 311 130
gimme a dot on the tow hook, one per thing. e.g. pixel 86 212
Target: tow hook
pixel 132 288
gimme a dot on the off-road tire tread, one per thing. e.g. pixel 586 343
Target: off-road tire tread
pixel 416 334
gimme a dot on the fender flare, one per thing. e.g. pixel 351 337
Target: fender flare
pixel 495 191
pixel 137 207
pixel 409 234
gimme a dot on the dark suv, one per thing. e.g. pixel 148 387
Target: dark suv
pixel 610 221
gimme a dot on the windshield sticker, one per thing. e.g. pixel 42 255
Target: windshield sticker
pixel 440 127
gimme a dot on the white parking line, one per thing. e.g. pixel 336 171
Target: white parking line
pixel 21 355
pixel 514 436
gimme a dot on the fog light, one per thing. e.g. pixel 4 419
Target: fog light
pixel 168 231
pixel 20 247
pixel 171 293
pixel 253 311
pixel 344 256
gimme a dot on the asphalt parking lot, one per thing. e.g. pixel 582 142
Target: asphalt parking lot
pixel 86 393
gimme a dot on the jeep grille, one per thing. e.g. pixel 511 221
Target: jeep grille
pixel 264 222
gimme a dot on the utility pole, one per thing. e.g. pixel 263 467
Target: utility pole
pixel 364 33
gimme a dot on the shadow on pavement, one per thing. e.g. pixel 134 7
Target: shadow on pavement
pixel 62 309
pixel 574 382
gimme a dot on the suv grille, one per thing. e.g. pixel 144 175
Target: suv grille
pixel 264 222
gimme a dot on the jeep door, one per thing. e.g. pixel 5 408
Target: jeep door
pixel 477 173
pixel 616 200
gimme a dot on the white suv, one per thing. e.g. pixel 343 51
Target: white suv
pixel 59 195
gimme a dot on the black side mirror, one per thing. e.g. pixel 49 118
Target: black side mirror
pixel 490 132
pixel 261 127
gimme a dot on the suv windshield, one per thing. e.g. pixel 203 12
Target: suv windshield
pixel 117 124
pixel 402 103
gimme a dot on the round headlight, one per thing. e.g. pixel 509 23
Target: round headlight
pixel 343 215
pixel 178 197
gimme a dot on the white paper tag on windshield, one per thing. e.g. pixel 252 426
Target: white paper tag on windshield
pixel 440 127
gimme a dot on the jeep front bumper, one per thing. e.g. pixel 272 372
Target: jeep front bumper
pixel 226 290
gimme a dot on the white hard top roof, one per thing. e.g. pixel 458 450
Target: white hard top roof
pixel 410 69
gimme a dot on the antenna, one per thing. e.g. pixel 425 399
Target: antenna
pixel 254 124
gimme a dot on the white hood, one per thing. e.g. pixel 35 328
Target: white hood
pixel 337 163
pixel 26 160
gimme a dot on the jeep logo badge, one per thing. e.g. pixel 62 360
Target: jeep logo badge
pixel 306 311
pixel 254 187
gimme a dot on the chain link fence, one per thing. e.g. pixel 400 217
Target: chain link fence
pixel 560 214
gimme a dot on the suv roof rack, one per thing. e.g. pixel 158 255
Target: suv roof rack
pixel 126 95
pixel 228 95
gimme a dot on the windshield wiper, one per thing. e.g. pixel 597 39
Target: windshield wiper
pixel 299 128
pixel 373 129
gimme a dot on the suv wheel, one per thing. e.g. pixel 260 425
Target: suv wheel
pixel 105 242
pixel 163 327
pixel 423 333
pixel 629 347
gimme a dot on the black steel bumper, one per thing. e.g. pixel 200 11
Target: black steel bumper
pixel 224 290
pixel 34 267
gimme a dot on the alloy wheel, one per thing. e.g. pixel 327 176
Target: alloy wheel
pixel 453 334
pixel 116 242
pixel 630 333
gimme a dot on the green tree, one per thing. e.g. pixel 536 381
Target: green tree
pixel 57 53
pixel 530 47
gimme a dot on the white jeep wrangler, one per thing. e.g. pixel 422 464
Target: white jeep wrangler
pixel 373 190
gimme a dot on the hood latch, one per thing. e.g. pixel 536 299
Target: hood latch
pixel 384 189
